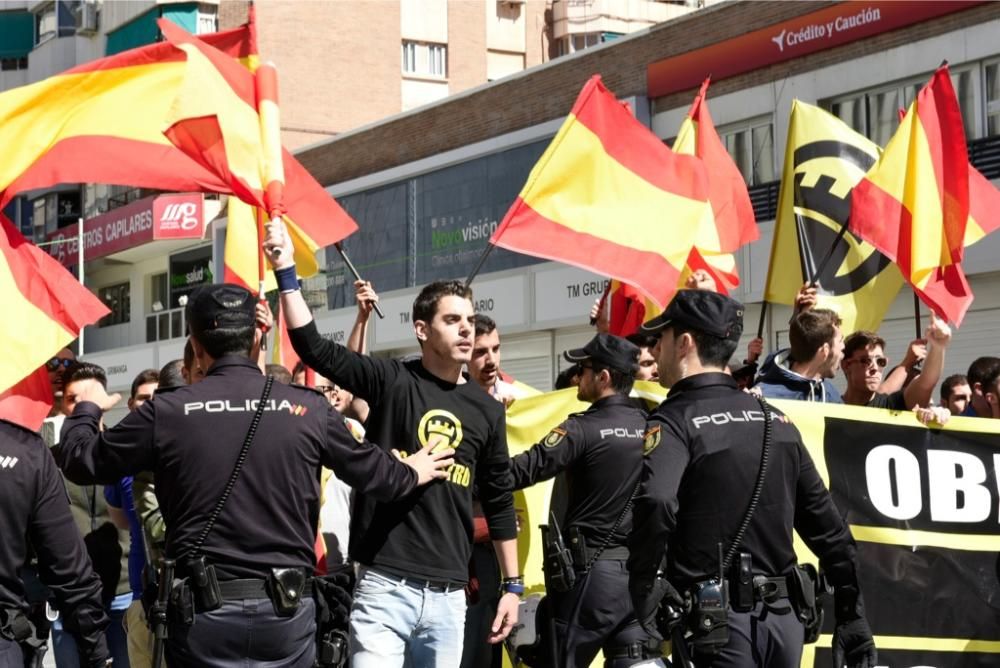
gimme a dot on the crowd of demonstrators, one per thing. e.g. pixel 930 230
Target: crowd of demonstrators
pixel 956 395
pixel 984 381
pixel 805 368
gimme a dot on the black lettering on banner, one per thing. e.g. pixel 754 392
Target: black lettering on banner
pixel 944 483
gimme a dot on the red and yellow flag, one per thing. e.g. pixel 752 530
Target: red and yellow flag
pixel 732 223
pixel 913 205
pixel 608 196
pixel 628 308
pixel 45 308
pixel 214 119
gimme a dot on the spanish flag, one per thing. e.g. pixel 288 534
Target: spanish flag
pixel 824 160
pixel 608 196
pixel 214 120
pixel 913 205
pixel 628 308
pixel 45 308
pixel 732 223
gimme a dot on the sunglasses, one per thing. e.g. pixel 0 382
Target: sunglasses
pixel 56 362
pixel 866 361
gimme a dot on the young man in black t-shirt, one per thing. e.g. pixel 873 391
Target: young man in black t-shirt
pixel 410 603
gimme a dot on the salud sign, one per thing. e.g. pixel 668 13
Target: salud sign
pixel 142 221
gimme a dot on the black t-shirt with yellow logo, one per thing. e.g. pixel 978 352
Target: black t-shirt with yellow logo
pixel 428 534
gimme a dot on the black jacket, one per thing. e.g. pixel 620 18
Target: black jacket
pixel 703 448
pixel 34 507
pixel 190 438
pixel 600 450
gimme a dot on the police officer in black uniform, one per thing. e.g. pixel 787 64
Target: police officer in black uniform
pixel 242 542
pixel 600 451
pixel 33 507
pixel 703 456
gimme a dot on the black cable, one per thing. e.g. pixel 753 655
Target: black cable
pixel 236 469
pixel 758 486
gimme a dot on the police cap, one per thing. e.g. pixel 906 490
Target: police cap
pixel 220 306
pixel 703 311
pixel 607 351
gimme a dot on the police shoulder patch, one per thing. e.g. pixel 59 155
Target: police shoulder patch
pixel 554 437
pixel 650 441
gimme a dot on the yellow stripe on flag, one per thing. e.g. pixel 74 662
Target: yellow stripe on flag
pixel 586 190
pixel 912 537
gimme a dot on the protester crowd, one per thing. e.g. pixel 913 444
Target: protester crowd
pixel 434 573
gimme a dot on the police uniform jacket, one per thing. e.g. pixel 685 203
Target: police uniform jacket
pixel 600 450
pixel 703 449
pixel 34 508
pixel 190 438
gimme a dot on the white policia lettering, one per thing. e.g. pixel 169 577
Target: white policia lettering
pixel 729 416
pixel 621 432
pixel 228 406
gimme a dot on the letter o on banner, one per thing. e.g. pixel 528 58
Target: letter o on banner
pixel 893 477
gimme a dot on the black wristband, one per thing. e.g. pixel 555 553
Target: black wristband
pixel 286 279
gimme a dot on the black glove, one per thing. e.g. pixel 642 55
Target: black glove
pixel 333 592
pixel 649 595
pixel 853 644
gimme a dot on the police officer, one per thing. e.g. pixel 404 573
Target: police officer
pixel 33 507
pixel 600 451
pixel 240 502
pixel 703 450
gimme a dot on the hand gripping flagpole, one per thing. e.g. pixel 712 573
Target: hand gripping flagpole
pixel 272 169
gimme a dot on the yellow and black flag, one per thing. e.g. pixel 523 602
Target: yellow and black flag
pixel 824 160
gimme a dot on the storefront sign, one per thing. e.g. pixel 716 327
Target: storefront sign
pixel 566 294
pixel 337 325
pixel 824 29
pixel 122 365
pixel 189 270
pixel 131 225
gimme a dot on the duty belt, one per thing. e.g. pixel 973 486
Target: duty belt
pixel 769 589
pixel 609 554
pixel 235 590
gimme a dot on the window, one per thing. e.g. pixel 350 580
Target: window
pixel 875 113
pixel 993 99
pixel 11 64
pixel 118 300
pixel 581 42
pixel 45 23
pixel 159 292
pixel 207 22
pixel 409 57
pixel 438 60
pixel 751 144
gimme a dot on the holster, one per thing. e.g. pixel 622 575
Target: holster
pixel 577 547
pixel 181 608
pixel 17 627
pixel 558 564
pixel 203 583
pixel 805 588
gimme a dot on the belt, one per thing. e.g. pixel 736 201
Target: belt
pixel 440 586
pixel 231 590
pixel 608 554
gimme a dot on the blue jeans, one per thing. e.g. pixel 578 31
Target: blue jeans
pixel 397 621
pixel 64 647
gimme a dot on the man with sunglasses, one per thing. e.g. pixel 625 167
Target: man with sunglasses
pixel 865 361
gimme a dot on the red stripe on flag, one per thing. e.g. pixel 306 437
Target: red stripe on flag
pixel 984 201
pixel 46 284
pixel 533 232
pixel 637 149
pixel 28 403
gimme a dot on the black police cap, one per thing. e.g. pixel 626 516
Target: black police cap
pixel 703 311
pixel 607 351
pixel 221 305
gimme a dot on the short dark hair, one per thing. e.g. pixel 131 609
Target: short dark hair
pixel 861 340
pixel 484 324
pixel 642 340
pixel 809 330
pixel 280 373
pixel 621 381
pixel 144 376
pixel 950 383
pixel 984 370
pixel 83 371
pixel 713 351
pixel 171 375
pixel 426 303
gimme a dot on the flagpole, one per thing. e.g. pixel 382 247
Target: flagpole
pixel 916 313
pixel 760 323
pixel 354 272
pixel 261 299
pixel 79 259
pixel 829 255
pixel 479 264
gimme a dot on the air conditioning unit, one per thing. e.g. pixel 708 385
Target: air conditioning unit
pixel 90 13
